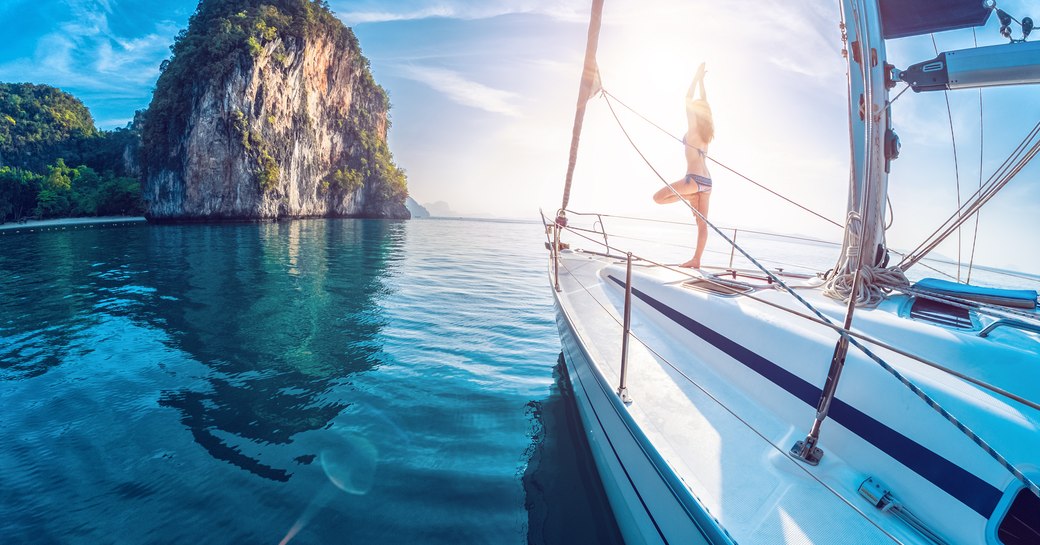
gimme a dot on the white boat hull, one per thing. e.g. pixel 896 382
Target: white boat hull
pixel 650 506
pixel 724 386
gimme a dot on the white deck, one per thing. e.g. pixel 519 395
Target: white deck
pixel 729 448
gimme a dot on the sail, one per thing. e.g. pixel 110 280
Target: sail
pixel 900 18
pixel 590 85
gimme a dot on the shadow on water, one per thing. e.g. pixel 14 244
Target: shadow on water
pixel 565 502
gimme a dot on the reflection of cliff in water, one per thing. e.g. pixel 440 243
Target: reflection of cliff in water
pixel 565 502
pixel 280 314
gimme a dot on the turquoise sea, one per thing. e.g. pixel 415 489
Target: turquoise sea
pixel 312 381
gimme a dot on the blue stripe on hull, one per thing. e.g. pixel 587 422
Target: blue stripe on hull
pixel 963 485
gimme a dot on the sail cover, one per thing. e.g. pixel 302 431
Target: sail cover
pixel 900 18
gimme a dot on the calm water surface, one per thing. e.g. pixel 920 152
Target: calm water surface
pixel 318 381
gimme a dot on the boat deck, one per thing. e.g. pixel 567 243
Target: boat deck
pixel 718 428
pixel 709 447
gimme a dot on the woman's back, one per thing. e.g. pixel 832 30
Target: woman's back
pixel 699 134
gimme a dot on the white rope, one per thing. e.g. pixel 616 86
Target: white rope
pixel 875 282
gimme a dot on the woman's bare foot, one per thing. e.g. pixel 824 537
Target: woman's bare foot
pixel 692 264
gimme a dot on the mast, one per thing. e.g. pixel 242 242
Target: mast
pixel 873 146
pixel 589 86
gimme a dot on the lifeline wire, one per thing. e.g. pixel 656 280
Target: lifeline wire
pixel 953 301
pixel 979 441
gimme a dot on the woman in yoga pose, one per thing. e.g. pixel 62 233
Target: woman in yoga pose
pixel 695 187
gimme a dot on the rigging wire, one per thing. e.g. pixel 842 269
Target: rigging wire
pixel 1012 166
pixel 956 163
pixel 891 102
pixel 921 394
pixel 713 160
pixel 982 148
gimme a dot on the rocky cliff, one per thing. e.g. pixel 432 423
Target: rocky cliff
pixel 268 109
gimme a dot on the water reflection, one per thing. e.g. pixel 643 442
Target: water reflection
pixel 273 316
pixel 565 501
pixel 42 294
pixel 280 313
pixel 177 376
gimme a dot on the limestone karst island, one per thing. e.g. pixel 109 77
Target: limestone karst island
pixel 265 110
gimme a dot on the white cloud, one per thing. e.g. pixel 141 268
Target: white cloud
pixel 464 91
pixel 360 17
pixel 354 12
pixel 84 53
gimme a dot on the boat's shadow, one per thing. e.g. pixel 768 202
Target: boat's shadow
pixel 565 501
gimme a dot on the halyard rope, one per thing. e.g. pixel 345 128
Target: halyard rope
pixel 981 443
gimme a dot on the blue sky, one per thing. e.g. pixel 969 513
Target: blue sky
pixel 483 98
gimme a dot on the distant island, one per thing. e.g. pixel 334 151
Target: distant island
pixel 265 110
pixel 440 209
pixel 417 210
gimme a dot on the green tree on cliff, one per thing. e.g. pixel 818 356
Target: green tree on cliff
pixel 39 123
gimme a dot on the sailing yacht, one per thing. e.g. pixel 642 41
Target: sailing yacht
pixel 756 405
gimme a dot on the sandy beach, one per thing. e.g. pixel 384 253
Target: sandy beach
pixel 67 223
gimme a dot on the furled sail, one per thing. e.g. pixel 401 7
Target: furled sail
pixel 590 85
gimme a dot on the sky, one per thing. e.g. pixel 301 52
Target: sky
pixel 483 96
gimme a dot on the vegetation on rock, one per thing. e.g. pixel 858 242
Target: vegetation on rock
pixel 42 129
pixel 38 123
pixel 225 34
pixel 223 40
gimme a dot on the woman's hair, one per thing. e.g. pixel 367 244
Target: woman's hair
pixel 705 122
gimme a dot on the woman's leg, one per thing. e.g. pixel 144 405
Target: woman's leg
pixel 683 187
pixel 699 203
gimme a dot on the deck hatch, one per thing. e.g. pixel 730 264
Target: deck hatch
pixel 716 288
pixel 940 313
pixel 1021 524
